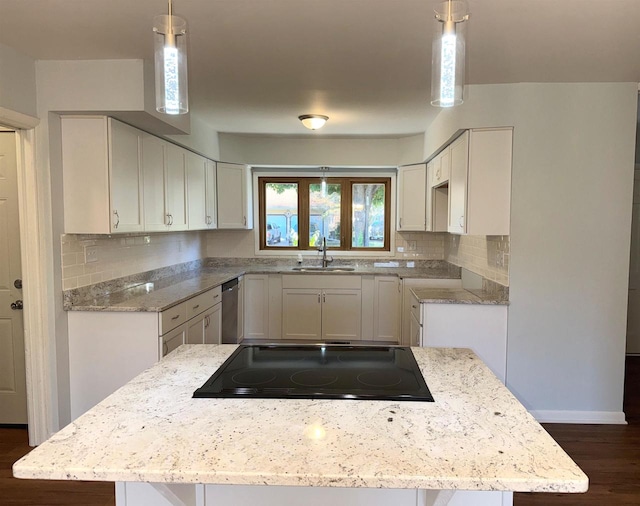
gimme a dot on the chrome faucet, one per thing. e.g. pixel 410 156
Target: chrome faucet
pixel 323 248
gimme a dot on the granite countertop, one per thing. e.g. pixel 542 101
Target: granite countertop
pixel 457 296
pixel 168 291
pixel 475 436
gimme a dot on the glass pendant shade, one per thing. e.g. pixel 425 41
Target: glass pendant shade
pixel 170 44
pixel 448 54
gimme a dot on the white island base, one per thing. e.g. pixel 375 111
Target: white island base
pixel 162 494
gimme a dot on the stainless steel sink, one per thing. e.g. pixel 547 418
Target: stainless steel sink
pixel 324 269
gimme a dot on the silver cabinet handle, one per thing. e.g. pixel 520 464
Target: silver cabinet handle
pixel 400 222
pixel 462 221
pixel 414 307
pixel 324 297
pixel 171 216
pixel 115 213
pixel 216 296
pixel 206 322
pixel 196 306
pixel 176 317
pixel 208 220
pixel 318 298
pixel 244 221
pixel 168 219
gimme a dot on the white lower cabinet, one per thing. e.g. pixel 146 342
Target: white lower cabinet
pixel 407 285
pixel 321 307
pixel 108 349
pixel 387 304
pixel 481 327
pixel 256 306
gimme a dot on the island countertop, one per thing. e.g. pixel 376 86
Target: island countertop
pixel 475 436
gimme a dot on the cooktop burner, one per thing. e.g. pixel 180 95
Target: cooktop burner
pixel 319 372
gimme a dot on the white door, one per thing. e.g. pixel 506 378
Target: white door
pixel 256 303
pixel 196 191
pixel 302 314
pixel 231 188
pixel 176 188
pixel 341 315
pixel 458 185
pixel 153 160
pixel 412 193
pixel 196 329
pixel 125 178
pixel 633 314
pixel 13 390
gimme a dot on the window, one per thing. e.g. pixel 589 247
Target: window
pixel 351 214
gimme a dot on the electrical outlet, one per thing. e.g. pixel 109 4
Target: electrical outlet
pixel 90 254
pixel 412 246
pixel 147 239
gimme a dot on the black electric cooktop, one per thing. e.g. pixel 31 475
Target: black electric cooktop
pixel 318 372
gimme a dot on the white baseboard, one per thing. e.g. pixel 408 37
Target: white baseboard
pixel 586 417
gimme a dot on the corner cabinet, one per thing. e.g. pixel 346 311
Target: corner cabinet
pixel 480 182
pixel 412 187
pixel 234 196
pixel 102 176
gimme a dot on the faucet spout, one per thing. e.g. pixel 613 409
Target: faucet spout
pixel 325 260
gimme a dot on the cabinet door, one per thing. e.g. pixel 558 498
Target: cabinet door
pixel 386 304
pixel 458 184
pixel 416 332
pixel 232 196
pixel 173 339
pixel 256 303
pixel 213 325
pixel 302 313
pixel 153 162
pixel 211 196
pixel 341 314
pixel 125 178
pixel 196 329
pixel 196 191
pixel 412 188
pixel 176 188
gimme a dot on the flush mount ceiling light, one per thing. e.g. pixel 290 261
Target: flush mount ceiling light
pixel 170 42
pixel 313 121
pixel 448 53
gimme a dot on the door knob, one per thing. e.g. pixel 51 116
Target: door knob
pixel 18 284
pixel 16 305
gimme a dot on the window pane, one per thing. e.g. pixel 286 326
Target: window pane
pixel 324 214
pixel 281 209
pixel 368 219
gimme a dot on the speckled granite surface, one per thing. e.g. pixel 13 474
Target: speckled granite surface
pixel 159 290
pixel 475 436
pixel 457 296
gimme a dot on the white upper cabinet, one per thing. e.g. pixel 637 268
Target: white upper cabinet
pixel 102 176
pixel 197 191
pixel 176 187
pixel 412 187
pixel 211 217
pixel 153 163
pixel 458 184
pixel 480 182
pixel 234 196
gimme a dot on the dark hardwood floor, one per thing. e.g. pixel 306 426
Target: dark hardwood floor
pixel 609 454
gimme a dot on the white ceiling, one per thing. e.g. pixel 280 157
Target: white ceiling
pixel 255 65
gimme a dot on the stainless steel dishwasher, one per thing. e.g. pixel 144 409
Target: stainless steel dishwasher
pixel 230 312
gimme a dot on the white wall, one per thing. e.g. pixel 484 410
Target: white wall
pixel 572 178
pixel 320 151
pixel 17 81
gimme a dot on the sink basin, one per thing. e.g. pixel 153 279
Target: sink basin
pixel 324 269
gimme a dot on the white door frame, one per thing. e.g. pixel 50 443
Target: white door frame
pixel 38 312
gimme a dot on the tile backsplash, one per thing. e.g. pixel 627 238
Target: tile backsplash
pixel 124 255
pixel 484 255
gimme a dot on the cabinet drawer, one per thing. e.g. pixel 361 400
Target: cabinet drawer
pixel 202 302
pixel 172 317
pixel 347 281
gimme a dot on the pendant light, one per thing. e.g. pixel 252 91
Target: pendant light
pixel 170 41
pixel 448 54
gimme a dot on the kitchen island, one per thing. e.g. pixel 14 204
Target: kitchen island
pixel 474 445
